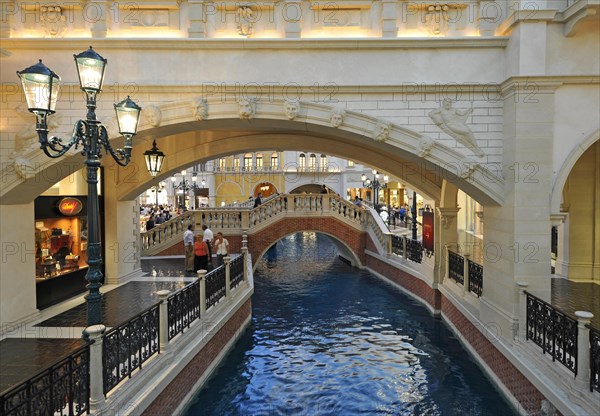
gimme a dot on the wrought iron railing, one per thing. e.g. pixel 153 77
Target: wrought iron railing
pixel 215 286
pixel 553 331
pixel 594 359
pixel 127 346
pixel 475 277
pixel 397 245
pixel 414 250
pixel 63 389
pixel 456 267
pixel 183 308
pixel 236 271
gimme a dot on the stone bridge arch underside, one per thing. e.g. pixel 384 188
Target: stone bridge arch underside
pixel 349 241
pixel 187 139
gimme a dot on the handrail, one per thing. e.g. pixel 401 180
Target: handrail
pixel 63 387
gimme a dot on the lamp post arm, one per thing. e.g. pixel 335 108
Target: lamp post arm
pixel 54 146
pixel 121 156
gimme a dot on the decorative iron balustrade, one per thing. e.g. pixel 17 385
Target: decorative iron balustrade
pixel 414 250
pixel 126 347
pixel 63 389
pixel 397 245
pixel 553 331
pixel 215 286
pixel 475 277
pixel 594 359
pixel 456 267
pixel 236 271
pixel 183 308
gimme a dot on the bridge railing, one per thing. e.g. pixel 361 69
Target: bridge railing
pixel 164 234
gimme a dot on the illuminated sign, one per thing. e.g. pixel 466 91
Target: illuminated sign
pixel 70 206
pixel 428 230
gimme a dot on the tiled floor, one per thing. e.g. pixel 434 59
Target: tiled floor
pixel 570 296
pixel 118 305
pixel 22 358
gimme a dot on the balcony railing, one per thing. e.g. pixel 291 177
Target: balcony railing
pixel 553 331
pixel 594 359
pixel 126 347
pixel 63 389
pixel 183 308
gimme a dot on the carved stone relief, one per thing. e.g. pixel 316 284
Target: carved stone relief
pixel 200 108
pixel 247 109
pixel 336 118
pixel 425 146
pixel 245 20
pixel 453 122
pixel 291 108
pixel 53 21
pixel 153 115
pixel 382 131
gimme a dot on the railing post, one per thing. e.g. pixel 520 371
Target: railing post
pixel 227 261
pixel 447 271
pixel 202 281
pixel 245 254
pixel 404 244
pixel 94 334
pixel 520 327
pixel 466 273
pixel 163 320
pixel 389 244
pixel 582 379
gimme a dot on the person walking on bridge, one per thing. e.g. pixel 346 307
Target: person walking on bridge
pixel 188 243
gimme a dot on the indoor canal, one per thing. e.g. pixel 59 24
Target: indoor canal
pixel 327 338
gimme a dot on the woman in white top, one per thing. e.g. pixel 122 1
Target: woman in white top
pixel 221 248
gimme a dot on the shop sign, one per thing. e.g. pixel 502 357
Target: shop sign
pixel 428 230
pixel 70 206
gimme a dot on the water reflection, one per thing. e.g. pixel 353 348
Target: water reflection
pixel 328 339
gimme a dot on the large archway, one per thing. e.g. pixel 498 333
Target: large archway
pixel 188 137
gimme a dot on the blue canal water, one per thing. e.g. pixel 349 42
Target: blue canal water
pixel 330 339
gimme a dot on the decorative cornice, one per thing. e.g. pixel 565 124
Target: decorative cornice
pixel 524 16
pixel 312 43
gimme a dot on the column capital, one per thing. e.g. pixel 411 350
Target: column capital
pixel 447 215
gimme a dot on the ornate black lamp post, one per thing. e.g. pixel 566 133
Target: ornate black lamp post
pixel 185 185
pixel 376 185
pixel 158 189
pixel 41 87
pixel 413 214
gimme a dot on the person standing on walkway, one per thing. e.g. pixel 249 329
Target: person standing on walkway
pixel 200 254
pixel 188 243
pixel 208 237
pixel 221 247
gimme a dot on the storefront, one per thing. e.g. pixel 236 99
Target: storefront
pixel 61 247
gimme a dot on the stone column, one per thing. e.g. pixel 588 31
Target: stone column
pixel 163 320
pixel 95 333
pixel 583 349
pixel 389 27
pixel 97 13
pixel 197 18
pixel 291 14
pixel 445 238
pixel 202 281
pixel 227 261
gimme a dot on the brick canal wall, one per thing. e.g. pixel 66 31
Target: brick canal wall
pixel 177 391
pixel 529 398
